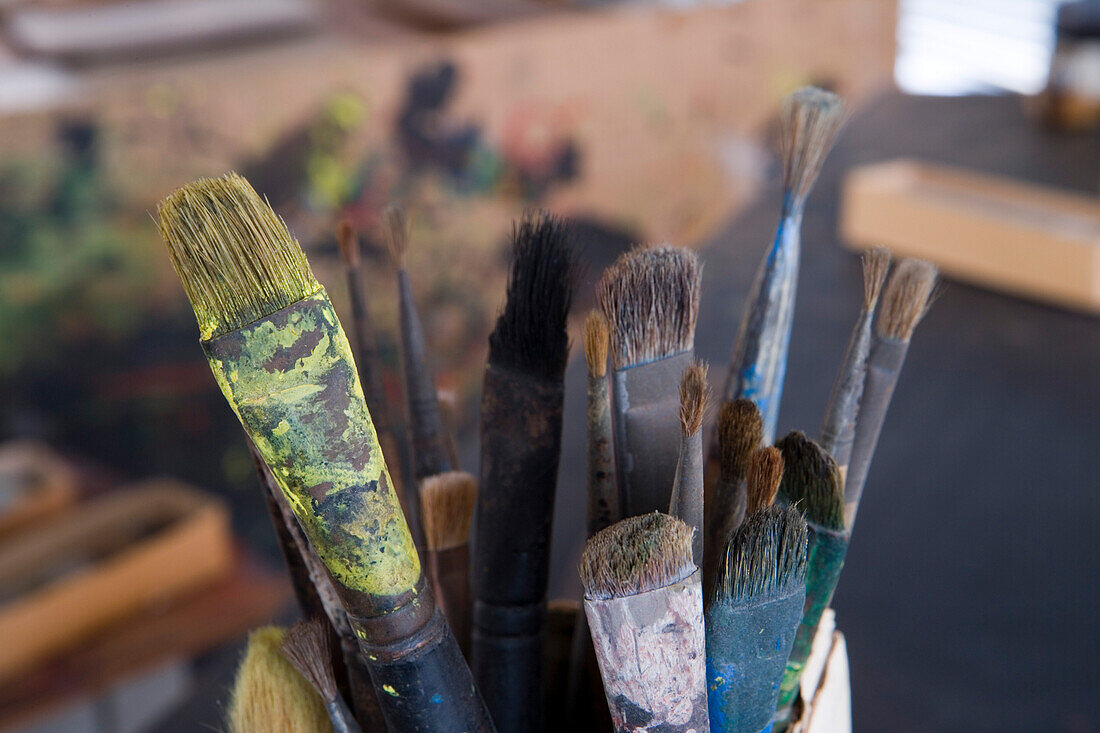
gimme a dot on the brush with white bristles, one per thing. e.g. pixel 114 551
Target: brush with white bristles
pixel 447 503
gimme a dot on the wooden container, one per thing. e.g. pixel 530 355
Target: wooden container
pixel 109 560
pixel 35 482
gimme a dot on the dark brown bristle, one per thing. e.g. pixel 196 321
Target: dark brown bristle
pixel 811 480
pixel 650 297
pixel 395 230
pixel 740 430
pixel 811 119
pixel 447 503
pixel 308 646
pixel 636 555
pixel 876 263
pixel 348 241
pixel 767 554
pixel 906 299
pixel 596 335
pixel 694 395
pixel 765 472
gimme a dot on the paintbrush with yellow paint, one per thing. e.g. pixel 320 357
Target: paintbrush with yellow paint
pixel 284 364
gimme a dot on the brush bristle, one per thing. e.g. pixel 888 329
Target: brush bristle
pixel 636 555
pixel 765 472
pixel 650 297
pixel 447 507
pixel 876 263
pixel 530 334
pixel 811 480
pixel 694 395
pixel 395 230
pixel 906 299
pixel 811 119
pixel 740 430
pixel 348 241
pixel 308 646
pixel 269 694
pixel 236 259
pixel 767 554
pixel 596 335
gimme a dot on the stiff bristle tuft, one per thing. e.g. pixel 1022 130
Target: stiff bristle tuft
pixel 694 395
pixel 766 555
pixel 811 119
pixel 636 555
pixel 269 694
pixel 236 259
pixel 395 230
pixel 811 481
pixel 308 646
pixel 530 333
pixel 740 430
pixel 348 241
pixel 447 507
pixel 765 472
pixel 876 263
pixel 906 299
pixel 596 335
pixel 650 297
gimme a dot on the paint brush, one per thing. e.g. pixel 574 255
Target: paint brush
pixel 284 364
pixel 811 119
pixel 753 616
pixel 270 695
pixel 904 302
pixel 644 602
pixel 838 430
pixel 521 424
pixel 308 646
pixel 369 363
pixel 687 485
pixel 650 297
pixel 739 432
pixel 447 502
pixel 811 482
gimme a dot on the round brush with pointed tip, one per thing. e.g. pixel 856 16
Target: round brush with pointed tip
pixel 811 483
pixel 270 695
pixel 308 646
pixel 811 120
pixel 687 484
pixel 644 602
pixel 650 297
pixel 447 502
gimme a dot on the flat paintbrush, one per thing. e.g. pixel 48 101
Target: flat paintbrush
pixel 644 602
pixel 308 646
pixel 650 297
pixel 687 484
pixel 904 303
pixel 447 501
pixel 269 694
pixel 811 119
pixel 811 482
pixel 284 364
pixel 521 424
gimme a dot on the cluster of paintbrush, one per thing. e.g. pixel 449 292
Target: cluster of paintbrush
pixel 700 611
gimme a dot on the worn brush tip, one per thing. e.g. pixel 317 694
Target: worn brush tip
pixel 596 334
pixel 740 430
pixel 650 296
pixel 530 333
pixel 812 481
pixel 348 241
pixel 308 646
pixel 447 507
pixel 269 694
pixel 236 259
pixel 636 555
pixel 906 299
pixel 876 263
pixel 395 230
pixel 694 396
pixel 812 118
pixel 765 472
pixel 767 554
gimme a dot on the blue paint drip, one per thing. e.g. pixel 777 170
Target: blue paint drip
pixel 437 698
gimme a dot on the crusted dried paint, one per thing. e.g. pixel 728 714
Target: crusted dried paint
pixel 291 379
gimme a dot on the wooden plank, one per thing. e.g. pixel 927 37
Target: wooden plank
pixel 35 483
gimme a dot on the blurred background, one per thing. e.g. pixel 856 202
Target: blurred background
pixel 969 601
